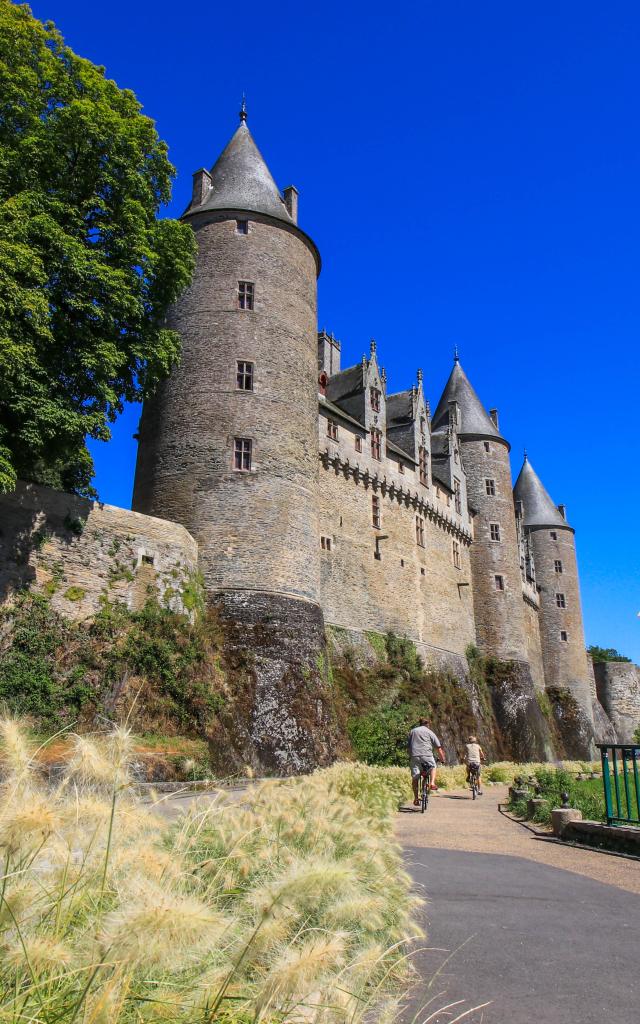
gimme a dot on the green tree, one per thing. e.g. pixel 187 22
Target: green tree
pixel 87 271
pixel 605 654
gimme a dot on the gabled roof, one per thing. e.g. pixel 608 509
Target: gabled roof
pixel 474 418
pixel 538 506
pixel 241 180
pixel 399 407
pixel 347 382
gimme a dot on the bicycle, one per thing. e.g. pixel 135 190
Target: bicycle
pixel 425 786
pixel 474 780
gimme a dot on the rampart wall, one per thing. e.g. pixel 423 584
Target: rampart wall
pixel 79 552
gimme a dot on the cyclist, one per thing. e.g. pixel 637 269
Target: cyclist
pixel 474 755
pixel 420 745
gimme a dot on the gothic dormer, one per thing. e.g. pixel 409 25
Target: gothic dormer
pixel 408 427
pixel 446 458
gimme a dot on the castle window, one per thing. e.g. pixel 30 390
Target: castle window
pixel 420 531
pixel 553 535
pixel 495 531
pixel 401 467
pixel 242 449
pixel 358 444
pixel 499 581
pixel 457 495
pixel 325 543
pixel 563 636
pixel 244 376
pixel 423 466
pixel 560 601
pixel 558 565
pixel 246 290
pixel 376 444
pixel 375 399
pixel 490 486
pixel 376 514
pixel 242 227
pixel 486 446
pixel 455 547
pixel 422 571
pixel 147 560
pixel 332 430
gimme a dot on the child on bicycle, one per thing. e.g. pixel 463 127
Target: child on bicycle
pixel 474 755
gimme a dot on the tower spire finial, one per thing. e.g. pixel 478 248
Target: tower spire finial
pixel 526 457
pixel 456 357
pixel 243 109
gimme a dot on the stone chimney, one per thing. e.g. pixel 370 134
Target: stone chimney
pixel 291 202
pixel 328 353
pixel 201 186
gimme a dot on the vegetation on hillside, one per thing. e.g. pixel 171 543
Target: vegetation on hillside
pixel 605 654
pixel 291 905
pixel 587 795
pixel 87 271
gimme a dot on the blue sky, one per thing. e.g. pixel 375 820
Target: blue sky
pixel 470 173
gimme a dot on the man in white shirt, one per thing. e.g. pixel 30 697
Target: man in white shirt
pixel 420 745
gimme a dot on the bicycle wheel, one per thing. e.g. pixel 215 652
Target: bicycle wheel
pixel 474 787
pixel 425 794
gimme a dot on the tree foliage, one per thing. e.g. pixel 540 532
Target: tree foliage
pixel 605 654
pixel 87 272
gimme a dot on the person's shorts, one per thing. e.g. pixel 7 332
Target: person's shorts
pixel 415 763
pixel 473 764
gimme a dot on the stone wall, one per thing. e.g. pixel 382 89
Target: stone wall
pixel 410 590
pixel 618 687
pixel 499 613
pixel 78 552
pixel 532 638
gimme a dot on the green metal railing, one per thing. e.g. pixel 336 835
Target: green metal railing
pixel 621 782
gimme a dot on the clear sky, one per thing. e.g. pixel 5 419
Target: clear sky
pixel 470 172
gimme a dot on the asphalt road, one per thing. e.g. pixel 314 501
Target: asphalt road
pixel 539 943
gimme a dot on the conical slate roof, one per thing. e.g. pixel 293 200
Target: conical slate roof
pixel 473 416
pixel 241 180
pixel 539 509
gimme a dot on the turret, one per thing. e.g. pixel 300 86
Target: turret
pixel 495 565
pixel 553 544
pixel 228 445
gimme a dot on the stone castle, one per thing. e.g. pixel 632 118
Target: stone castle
pixel 317 497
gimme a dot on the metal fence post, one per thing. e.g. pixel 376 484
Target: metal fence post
pixel 606 782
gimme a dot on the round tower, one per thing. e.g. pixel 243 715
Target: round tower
pixel 228 446
pixel 495 561
pixel 561 629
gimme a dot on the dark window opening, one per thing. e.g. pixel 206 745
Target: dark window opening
pixel 423 465
pixel 242 451
pixel 499 582
pixel 358 444
pixel 553 535
pixel 422 571
pixel 486 446
pixel 242 227
pixel 147 559
pixel 325 543
pixel 246 294
pixel 376 514
pixel 558 565
pixel 563 636
pixel 490 486
pixel 561 601
pixel 332 430
pixel 495 531
pixel 420 531
pixel 401 468
pixel 456 553
pixel 375 399
pixel 244 376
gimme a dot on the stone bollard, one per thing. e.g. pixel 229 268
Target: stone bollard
pixel 560 818
pixel 518 794
pixel 534 805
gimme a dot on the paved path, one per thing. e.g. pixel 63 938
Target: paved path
pixel 543 932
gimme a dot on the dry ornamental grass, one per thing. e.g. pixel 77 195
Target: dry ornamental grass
pixel 291 905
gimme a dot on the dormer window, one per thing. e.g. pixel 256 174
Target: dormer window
pixel 332 430
pixel 246 293
pixel 358 442
pixel 375 399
